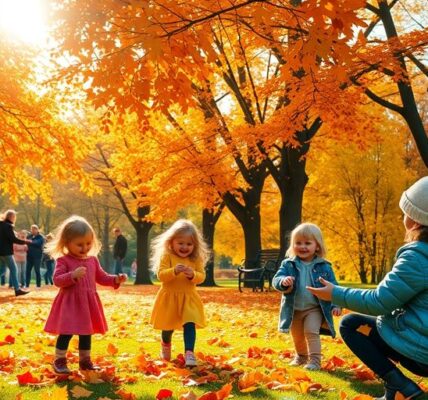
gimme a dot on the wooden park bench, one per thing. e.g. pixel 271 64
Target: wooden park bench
pixel 264 268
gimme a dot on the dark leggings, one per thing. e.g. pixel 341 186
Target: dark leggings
pixel 63 341
pixel 371 349
pixel 189 333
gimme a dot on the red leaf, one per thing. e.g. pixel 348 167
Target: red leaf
pixel 27 378
pixel 164 394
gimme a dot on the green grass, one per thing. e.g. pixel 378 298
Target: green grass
pixel 232 317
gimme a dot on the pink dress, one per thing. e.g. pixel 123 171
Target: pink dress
pixel 77 309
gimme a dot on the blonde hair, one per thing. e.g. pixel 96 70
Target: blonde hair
pixel 307 231
pixel 162 244
pixel 73 227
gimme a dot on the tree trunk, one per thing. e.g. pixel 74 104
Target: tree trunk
pixel 291 189
pixel 106 255
pixel 291 179
pixel 209 220
pixel 143 250
pixel 143 253
pixel 409 109
pixel 248 216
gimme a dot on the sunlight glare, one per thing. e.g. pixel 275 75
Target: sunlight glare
pixel 24 20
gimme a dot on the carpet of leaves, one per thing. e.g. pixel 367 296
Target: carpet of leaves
pixel 240 354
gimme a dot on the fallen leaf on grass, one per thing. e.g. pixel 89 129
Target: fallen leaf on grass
pixel 59 393
pixel 27 378
pixel 112 349
pixel 164 394
pixel 188 396
pixel 208 396
pixel 363 397
pixel 124 395
pixel 224 392
pixel 79 391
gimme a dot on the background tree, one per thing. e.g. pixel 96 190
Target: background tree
pixel 362 223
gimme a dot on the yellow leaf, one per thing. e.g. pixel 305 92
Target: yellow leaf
pixel 56 394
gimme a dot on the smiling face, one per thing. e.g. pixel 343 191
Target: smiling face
pixel 305 248
pixel 81 245
pixel 182 245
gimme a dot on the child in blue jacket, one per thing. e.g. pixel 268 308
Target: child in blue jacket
pixel 397 310
pixel 302 313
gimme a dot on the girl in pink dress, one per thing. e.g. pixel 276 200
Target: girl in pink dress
pixel 77 309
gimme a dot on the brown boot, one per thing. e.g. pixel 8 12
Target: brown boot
pixel 85 364
pixel 60 366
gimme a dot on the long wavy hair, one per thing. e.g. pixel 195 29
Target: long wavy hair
pixel 73 227
pixel 162 244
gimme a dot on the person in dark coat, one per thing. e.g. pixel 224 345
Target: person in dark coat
pixel 35 255
pixel 119 250
pixel 7 239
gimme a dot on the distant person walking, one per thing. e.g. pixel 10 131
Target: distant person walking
pixel 48 261
pixel 20 256
pixel 119 250
pixel 34 255
pixel 7 239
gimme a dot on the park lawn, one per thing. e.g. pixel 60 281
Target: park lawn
pixel 240 346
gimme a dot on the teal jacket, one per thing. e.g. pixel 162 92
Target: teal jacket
pixel 320 269
pixel 400 301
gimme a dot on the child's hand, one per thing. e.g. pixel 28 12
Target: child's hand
pixel 78 273
pixel 179 268
pixel 121 278
pixel 288 281
pixel 189 273
pixel 336 311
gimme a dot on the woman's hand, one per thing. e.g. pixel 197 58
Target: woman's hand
pixel 336 311
pixel 288 281
pixel 120 278
pixel 323 293
pixel 78 273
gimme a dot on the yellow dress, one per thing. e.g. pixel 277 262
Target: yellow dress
pixel 177 301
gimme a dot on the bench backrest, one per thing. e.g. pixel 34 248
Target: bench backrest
pixel 269 255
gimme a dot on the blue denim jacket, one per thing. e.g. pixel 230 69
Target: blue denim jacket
pixel 320 268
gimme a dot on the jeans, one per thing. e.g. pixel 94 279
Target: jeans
pixel 35 262
pixel 9 261
pixel 49 272
pixel 189 333
pixel 118 265
pixel 22 268
pixel 371 349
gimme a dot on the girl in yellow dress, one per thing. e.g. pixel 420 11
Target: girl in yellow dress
pixel 179 257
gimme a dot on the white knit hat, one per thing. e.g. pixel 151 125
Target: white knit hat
pixel 414 201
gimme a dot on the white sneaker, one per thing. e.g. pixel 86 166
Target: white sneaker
pixel 312 366
pixel 190 359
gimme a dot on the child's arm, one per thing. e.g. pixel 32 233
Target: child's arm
pixel 283 279
pixel 105 279
pixel 198 274
pixel 62 277
pixel 166 271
